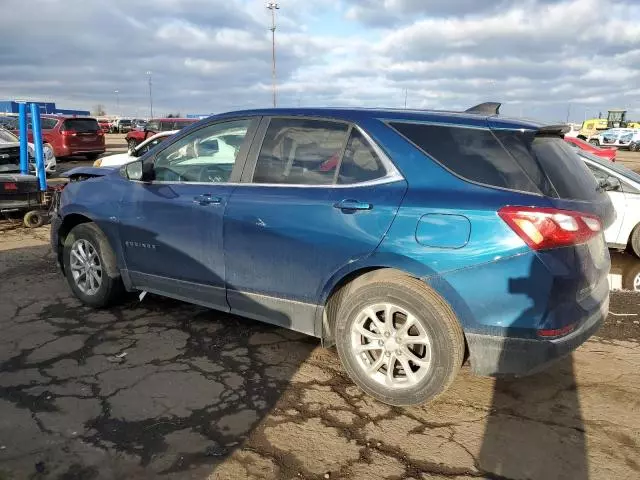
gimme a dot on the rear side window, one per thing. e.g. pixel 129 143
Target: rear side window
pixel 474 154
pixel 360 162
pixel 81 125
pixel 153 125
pixel 567 174
pixel 300 151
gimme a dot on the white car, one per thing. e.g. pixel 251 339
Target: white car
pixel 615 137
pixel 122 158
pixel 623 188
pixel 9 141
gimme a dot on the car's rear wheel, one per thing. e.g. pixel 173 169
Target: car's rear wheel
pixel 90 266
pixel 398 339
pixel 594 142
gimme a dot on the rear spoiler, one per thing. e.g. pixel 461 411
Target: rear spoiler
pixel 553 130
pixel 487 108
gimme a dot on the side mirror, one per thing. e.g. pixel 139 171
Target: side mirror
pixel 613 184
pixel 133 170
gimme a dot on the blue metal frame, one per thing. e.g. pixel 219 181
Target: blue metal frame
pixel 24 152
pixel 37 144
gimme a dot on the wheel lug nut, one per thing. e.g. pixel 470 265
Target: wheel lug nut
pixel 380 342
pixel 387 353
pixel 386 334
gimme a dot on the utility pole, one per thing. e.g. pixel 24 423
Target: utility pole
pixel 568 112
pixel 150 97
pixel 406 93
pixel 273 6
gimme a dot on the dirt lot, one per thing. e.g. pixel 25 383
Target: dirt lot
pixel 164 389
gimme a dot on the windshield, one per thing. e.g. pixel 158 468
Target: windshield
pixel 7 137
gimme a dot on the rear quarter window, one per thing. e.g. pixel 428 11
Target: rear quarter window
pixel 473 154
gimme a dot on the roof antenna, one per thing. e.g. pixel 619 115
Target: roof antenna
pixel 487 108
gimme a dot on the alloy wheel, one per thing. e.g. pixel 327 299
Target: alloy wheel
pixel 391 346
pixel 86 268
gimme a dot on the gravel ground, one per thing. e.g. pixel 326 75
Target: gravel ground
pixel 162 389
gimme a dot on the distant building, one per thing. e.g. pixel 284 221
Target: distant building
pixel 11 106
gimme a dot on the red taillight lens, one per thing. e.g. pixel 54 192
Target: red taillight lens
pixel 69 133
pixel 100 133
pixel 11 187
pixel 544 228
pixel 557 332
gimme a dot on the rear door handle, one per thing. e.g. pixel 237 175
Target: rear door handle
pixel 207 199
pixel 349 204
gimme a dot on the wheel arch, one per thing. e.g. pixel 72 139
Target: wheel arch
pixel 69 221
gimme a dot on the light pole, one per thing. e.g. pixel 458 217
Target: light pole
pixel 273 6
pixel 117 92
pixel 150 97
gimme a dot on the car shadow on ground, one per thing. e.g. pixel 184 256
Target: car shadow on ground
pixel 535 428
pixel 161 385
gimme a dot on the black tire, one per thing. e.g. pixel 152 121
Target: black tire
pixel 634 241
pixel 111 289
pixel 131 144
pixel 34 219
pixel 92 156
pixel 434 314
pixel 595 142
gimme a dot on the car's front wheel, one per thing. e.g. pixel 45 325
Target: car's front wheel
pixel 397 338
pixel 131 144
pixel 90 266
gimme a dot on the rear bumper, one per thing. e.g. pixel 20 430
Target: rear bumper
pixel 491 355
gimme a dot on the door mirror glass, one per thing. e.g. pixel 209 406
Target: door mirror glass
pixel 613 184
pixel 134 170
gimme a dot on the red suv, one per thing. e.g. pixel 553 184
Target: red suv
pixel 71 135
pixel 157 125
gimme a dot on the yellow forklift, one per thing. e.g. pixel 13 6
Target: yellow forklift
pixel 616 118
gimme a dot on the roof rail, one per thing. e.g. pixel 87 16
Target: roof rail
pixel 487 108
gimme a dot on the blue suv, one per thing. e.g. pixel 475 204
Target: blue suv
pixel 412 240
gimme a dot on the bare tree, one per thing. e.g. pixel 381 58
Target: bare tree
pixel 98 110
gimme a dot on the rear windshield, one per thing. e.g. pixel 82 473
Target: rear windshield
pixel 125 122
pixel 510 159
pixel 568 175
pixel 81 125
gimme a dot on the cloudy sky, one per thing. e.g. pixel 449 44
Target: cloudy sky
pixel 536 56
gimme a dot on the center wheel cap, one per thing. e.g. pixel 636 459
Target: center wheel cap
pixel 391 345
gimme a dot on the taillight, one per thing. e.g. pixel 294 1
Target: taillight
pixel 100 133
pixel 69 133
pixel 557 332
pixel 11 187
pixel 544 228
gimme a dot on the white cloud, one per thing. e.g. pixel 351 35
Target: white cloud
pixel 215 55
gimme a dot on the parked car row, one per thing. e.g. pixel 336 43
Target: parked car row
pixel 10 154
pixel 410 239
pixel 65 135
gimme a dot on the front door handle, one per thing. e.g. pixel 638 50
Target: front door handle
pixel 207 199
pixel 349 204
